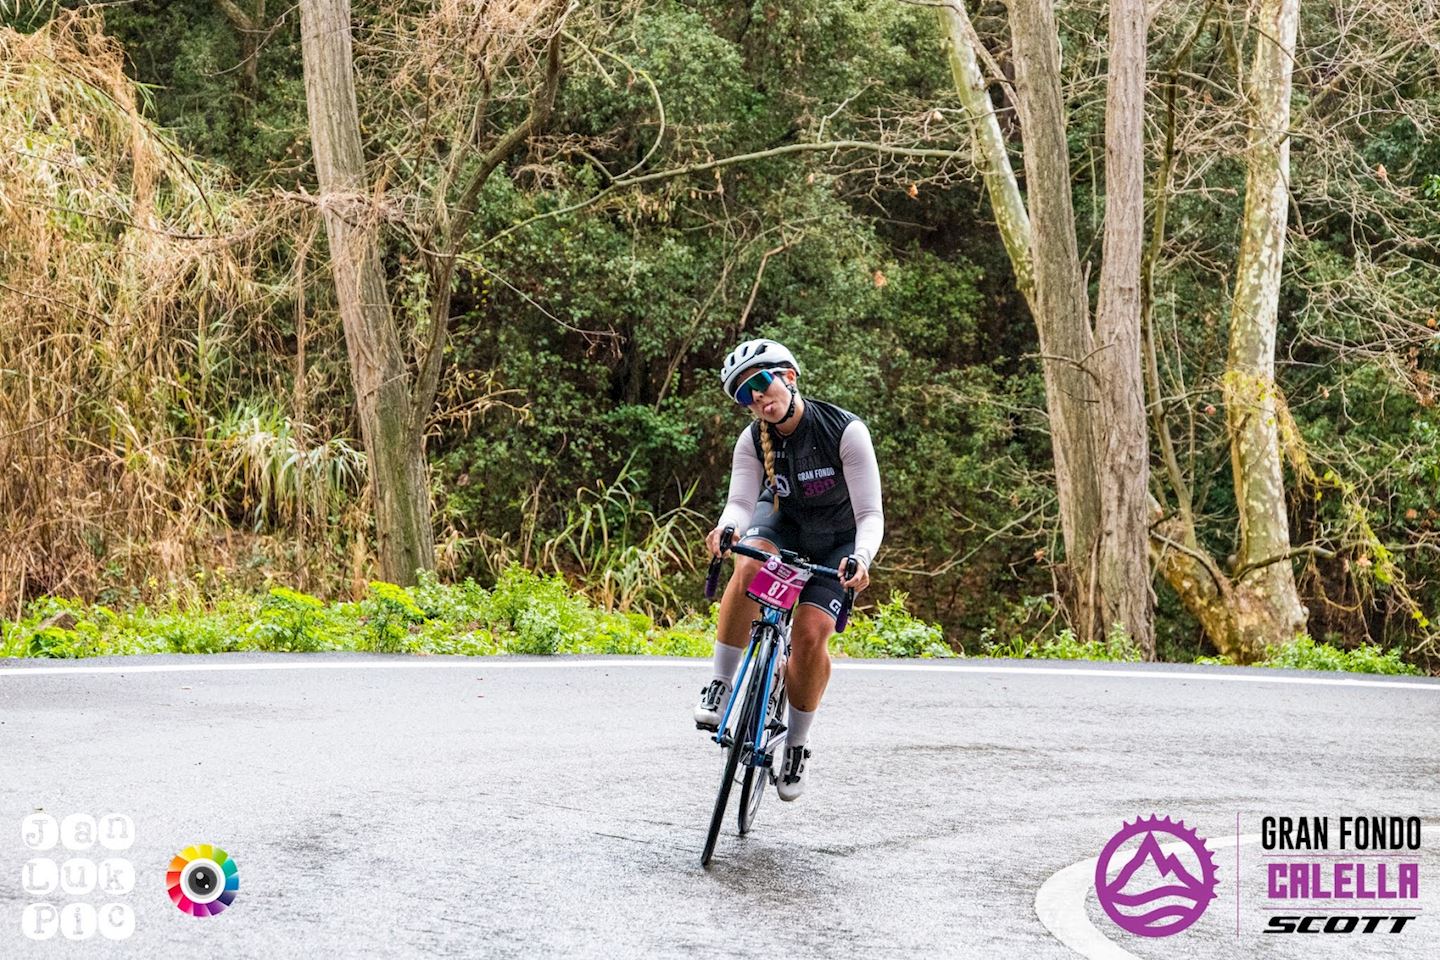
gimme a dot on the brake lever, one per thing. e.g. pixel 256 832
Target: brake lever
pixel 844 616
pixel 712 579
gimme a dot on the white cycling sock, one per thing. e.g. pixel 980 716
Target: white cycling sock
pixel 797 726
pixel 727 659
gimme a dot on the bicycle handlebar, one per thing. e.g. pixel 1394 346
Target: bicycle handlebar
pixel 712 579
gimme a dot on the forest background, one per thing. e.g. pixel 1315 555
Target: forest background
pixel 577 210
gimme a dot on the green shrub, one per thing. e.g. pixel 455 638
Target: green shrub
pixel 289 621
pixel 11 644
pixel 524 613
pixel 184 633
pixel 538 631
pixel 1116 647
pixel 619 633
pixel 390 612
pixel 1305 654
pixel 538 612
pixel 474 643
pixel 451 602
pixel 85 637
pixel 692 636
pixel 891 632
pixel 683 643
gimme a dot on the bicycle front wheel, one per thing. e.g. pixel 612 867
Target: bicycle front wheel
pixel 738 743
pixel 757 778
pixel 752 791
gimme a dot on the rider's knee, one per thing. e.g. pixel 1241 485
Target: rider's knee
pixel 811 635
pixel 745 570
pixel 747 567
pixel 749 564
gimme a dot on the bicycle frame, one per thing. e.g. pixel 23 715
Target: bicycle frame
pixel 781 624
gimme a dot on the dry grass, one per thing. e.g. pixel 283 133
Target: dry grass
pixel 131 279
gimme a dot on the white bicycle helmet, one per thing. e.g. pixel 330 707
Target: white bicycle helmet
pixel 754 353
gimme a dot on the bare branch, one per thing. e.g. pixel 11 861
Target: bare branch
pixel 1309 549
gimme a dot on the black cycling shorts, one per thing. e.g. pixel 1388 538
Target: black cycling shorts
pixel 828 548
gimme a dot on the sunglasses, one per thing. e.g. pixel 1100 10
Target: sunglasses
pixel 759 383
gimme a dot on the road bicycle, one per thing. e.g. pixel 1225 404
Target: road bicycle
pixel 758 709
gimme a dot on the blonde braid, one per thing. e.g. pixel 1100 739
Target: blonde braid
pixel 765 445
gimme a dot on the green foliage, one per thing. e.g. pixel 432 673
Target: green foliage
pixel 179 632
pixel 85 638
pixel 630 417
pixel 288 621
pixel 27 15
pixel 537 612
pixel 1064 645
pixel 267 466
pixel 1305 654
pixel 191 55
pixel 450 602
pixel 525 613
pixel 625 555
pixel 530 614
pixel 391 614
pixel 890 632
pixel 97 630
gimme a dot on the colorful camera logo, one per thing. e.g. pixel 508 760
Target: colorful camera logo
pixel 202 880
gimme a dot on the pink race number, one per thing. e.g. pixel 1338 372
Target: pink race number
pixel 777 585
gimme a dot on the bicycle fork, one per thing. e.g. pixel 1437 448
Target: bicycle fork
pixel 763 722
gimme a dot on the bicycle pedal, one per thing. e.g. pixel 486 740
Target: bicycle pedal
pixel 713 728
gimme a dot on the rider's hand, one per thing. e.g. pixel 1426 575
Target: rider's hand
pixel 712 541
pixel 860 581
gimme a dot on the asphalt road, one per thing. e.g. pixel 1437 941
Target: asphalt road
pixel 437 807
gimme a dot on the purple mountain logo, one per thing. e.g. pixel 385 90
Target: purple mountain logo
pixel 1154 894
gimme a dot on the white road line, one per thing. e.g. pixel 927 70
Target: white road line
pixel 476 663
pixel 1060 904
pixel 1259 676
pixel 505 663
pixel 1060 901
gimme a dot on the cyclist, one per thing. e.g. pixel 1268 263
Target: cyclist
pixel 812 467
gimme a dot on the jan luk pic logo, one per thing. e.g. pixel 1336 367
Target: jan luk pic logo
pixel 74 870
pixel 1155 877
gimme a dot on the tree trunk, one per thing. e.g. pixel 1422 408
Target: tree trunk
pixel 1249 384
pixel 1258 605
pixel 1124 569
pixel 1061 306
pixel 1094 393
pixel 991 157
pixel 377 365
pixel 249 27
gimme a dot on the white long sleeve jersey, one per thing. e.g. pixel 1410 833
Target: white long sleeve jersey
pixel 825 470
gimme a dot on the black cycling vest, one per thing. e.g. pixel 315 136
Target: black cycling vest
pixel 808 469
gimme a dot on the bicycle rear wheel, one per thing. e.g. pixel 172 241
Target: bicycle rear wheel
pixel 738 743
